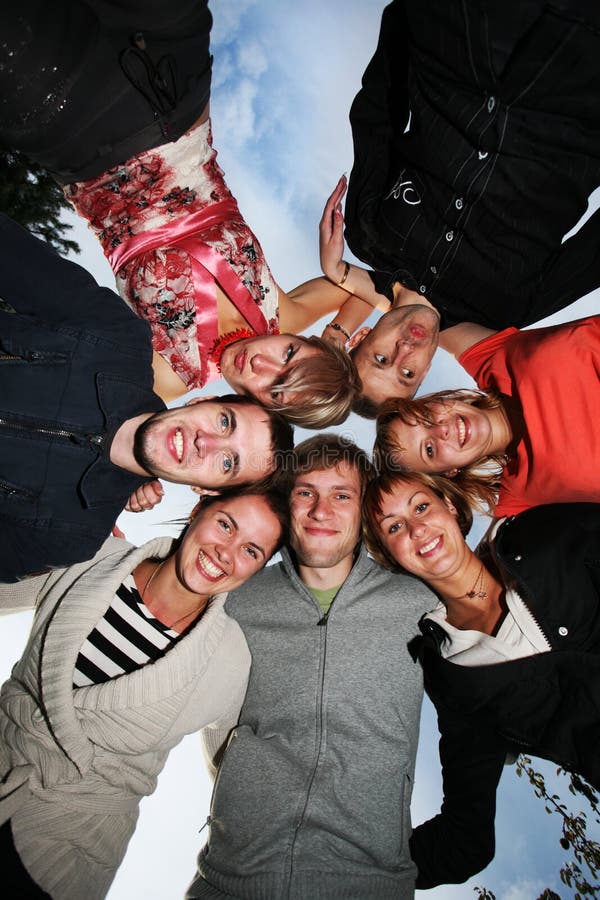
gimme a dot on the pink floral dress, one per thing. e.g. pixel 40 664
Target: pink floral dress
pixel 170 227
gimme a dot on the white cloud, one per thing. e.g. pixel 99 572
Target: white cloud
pixel 252 58
pixel 228 16
pixel 236 117
pixel 523 890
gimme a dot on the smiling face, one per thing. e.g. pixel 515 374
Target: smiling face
pixel 420 531
pixel 460 435
pixel 325 508
pixel 227 543
pixel 394 357
pixel 258 366
pixel 207 443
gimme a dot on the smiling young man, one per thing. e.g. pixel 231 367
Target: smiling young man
pixel 215 443
pixel 313 795
pixel 80 426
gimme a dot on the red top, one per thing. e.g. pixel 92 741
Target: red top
pixel 553 373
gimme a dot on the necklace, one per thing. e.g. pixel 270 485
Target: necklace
pixel 222 342
pixel 478 590
pixel 151 577
pixel 147 585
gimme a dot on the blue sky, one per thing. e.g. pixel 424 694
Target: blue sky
pixel 284 77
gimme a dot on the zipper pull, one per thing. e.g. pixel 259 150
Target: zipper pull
pixel 208 821
pixel 323 621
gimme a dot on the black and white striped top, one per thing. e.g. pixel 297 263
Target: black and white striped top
pixel 125 638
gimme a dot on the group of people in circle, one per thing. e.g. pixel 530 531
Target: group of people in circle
pixel 452 151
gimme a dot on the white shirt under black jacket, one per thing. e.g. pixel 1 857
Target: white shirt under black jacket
pixel 519 634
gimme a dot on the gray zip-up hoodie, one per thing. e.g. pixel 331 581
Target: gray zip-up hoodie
pixel 312 797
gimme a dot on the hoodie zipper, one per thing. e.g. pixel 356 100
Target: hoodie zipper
pixel 322 623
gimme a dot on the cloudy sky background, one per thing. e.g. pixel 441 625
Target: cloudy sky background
pixel 284 77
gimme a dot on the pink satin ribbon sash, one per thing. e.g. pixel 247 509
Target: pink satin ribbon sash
pixel 208 267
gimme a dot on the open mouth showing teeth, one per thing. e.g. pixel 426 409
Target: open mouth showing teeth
pixel 462 430
pixel 178 443
pixel 208 566
pixel 430 546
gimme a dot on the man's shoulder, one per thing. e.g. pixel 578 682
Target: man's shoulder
pixel 271 577
pixel 408 588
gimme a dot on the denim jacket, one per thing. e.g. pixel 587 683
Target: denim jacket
pixel 75 363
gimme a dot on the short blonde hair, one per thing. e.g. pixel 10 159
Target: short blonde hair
pixel 385 484
pixel 479 481
pixel 323 387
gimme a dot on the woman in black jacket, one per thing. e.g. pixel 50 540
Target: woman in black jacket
pixel 511 654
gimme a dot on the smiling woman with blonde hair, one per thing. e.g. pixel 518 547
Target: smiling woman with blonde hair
pixel 530 432
pixel 118 112
pixel 407 440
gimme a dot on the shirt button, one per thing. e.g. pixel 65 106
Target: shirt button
pixel 422 289
pixel 482 154
pixel 563 631
pixel 491 103
pixel 518 557
pixel 459 203
pixel 433 270
pixel 449 235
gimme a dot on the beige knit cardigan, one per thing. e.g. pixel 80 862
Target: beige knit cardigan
pixel 76 762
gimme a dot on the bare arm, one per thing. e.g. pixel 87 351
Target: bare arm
pixel 310 301
pixel 459 338
pixel 167 384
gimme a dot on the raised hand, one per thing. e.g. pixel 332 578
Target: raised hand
pixel 146 496
pixel 331 234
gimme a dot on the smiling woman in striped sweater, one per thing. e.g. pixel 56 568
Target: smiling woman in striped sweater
pixel 128 653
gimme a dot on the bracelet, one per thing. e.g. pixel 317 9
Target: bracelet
pixel 345 275
pixel 338 327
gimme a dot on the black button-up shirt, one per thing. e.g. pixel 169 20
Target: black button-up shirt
pixel 470 204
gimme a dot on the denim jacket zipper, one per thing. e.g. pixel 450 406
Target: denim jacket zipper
pixel 95 440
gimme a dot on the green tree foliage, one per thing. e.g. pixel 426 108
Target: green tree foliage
pixel 30 196
pixel 585 852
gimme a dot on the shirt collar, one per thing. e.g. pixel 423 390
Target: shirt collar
pixel 119 399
